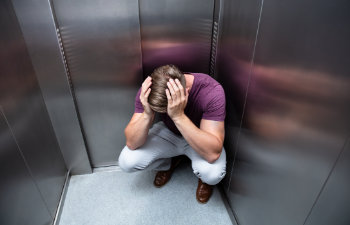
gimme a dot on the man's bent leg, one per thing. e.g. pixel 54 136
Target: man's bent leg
pixel 209 173
pixel 140 159
pixel 155 154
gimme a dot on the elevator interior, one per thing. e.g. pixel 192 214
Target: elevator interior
pixel 70 71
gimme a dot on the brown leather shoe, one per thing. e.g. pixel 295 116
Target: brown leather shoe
pixel 162 177
pixel 204 191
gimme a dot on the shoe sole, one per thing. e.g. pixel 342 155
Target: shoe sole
pixel 203 203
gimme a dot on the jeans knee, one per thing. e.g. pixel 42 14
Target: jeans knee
pixel 211 176
pixel 127 162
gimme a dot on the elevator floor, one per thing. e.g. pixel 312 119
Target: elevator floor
pixel 113 197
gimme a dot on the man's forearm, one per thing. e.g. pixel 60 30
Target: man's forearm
pixel 204 143
pixel 136 131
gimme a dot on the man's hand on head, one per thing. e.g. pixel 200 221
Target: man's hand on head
pixel 145 91
pixel 177 99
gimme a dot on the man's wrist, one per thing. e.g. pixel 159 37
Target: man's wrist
pixel 148 116
pixel 179 119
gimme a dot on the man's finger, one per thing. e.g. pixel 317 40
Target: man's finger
pixel 168 96
pixel 176 89
pixel 149 78
pixel 172 91
pixel 181 89
pixel 147 93
pixel 146 84
pixel 149 83
pixel 146 81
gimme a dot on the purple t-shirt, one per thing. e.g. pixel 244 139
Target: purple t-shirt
pixel 206 100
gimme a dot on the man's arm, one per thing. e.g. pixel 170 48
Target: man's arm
pixel 137 130
pixel 206 140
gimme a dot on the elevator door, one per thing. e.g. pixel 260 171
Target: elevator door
pixel 102 42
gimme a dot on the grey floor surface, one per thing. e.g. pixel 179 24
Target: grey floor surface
pixel 118 198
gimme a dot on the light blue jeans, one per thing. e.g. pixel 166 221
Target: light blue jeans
pixel 160 146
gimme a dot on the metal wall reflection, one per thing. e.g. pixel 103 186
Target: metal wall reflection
pixel 32 168
pixel 295 116
pixel 38 27
pixel 283 66
pixel 238 29
pixel 102 45
pixel 176 32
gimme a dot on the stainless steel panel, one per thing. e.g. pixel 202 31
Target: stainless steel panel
pixel 296 114
pixel 237 33
pixel 26 113
pixel 333 205
pixel 176 32
pixel 277 182
pixel 39 31
pixel 102 43
pixel 20 200
pixel 31 127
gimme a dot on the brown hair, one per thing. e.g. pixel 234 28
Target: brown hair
pixel 157 98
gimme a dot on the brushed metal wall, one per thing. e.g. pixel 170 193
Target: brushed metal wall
pixel 102 45
pixel 332 206
pixel 176 32
pixel 32 168
pixel 289 94
pixel 20 200
pixel 38 27
pixel 102 42
pixel 237 32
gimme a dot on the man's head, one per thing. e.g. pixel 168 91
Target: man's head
pixel 157 98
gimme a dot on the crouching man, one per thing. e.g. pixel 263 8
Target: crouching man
pixel 192 112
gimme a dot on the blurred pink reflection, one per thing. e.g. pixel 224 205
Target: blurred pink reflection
pixel 283 102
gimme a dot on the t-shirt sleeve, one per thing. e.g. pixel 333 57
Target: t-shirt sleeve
pixel 138 104
pixel 216 106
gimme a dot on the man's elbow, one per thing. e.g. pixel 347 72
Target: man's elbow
pixel 130 146
pixel 214 157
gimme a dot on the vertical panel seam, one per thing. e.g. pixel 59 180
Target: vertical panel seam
pixel 69 79
pixel 214 29
pixel 220 11
pixel 326 180
pixel 246 94
pixel 25 162
pixel 219 19
pixel 140 30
